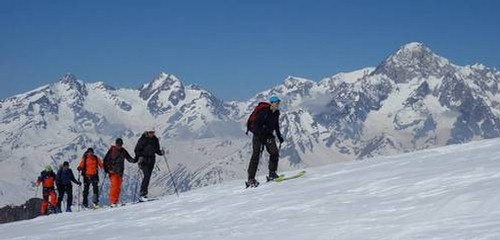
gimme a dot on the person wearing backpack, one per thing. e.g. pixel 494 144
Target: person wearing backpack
pixel 145 150
pixel 48 178
pixel 89 166
pixel 263 122
pixel 63 180
pixel 114 165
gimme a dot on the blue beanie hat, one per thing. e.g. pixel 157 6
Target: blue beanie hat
pixel 274 99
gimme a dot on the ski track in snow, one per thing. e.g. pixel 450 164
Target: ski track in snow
pixel 444 193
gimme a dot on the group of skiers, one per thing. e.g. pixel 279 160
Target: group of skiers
pixel 113 165
pixel 263 122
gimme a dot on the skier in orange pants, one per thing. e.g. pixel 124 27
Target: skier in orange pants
pixel 114 165
pixel 48 178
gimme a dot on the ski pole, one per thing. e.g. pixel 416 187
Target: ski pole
pixel 138 175
pixel 102 185
pixel 36 192
pixel 170 172
pixel 79 190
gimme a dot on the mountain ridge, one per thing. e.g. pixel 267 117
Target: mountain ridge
pixel 413 100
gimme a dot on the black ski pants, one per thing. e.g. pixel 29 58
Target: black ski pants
pixel 65 189
pixel 147 165
pixel 87 180
pixel 272 149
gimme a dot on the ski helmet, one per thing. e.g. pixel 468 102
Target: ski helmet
pixel 274 99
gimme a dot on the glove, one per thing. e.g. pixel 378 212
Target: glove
pixel 141 162
pixel 162 152
pixel 280 138
pixel 79 168
pixel 79 183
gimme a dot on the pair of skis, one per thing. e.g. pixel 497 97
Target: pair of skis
pixel 281 178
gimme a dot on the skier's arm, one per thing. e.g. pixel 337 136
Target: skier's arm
pixel 158 150
pixel 128 157
pixel 107 160
pixel 106 157
pixel 278 132
pixel 139 147
pixel 80 166
pixel 39 180
pixel 72 176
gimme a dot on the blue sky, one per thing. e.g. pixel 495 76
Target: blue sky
pixel 232 48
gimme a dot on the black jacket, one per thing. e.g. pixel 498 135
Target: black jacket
pixel 266 123
pixel 147 147
pixel 114 161
pixel 65 177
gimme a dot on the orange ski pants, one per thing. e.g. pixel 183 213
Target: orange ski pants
pixel 115 189
pixel 48 194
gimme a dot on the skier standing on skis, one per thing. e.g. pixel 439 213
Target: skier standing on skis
pixel 89 167
pixel 48 178
pixel 145 151
pixel 263 122
pixel 63 180
pixel 114 165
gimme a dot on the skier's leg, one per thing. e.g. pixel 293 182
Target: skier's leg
pixel 147 169
pixel 274 155
pixel 114 190
pixel 86 186
pixel 53 197
pixel 254 161
pixel 95 188
pixel 118 190
pixel 69 193
pixel 45 202
pixel 60 189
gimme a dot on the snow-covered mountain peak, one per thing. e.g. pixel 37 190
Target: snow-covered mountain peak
pixel 413 53
pixel 69 78
pixel 70 81
pixel 162 83
pixel 413 60
pixel 414 46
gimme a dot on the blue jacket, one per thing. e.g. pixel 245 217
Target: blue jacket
pixel 65 177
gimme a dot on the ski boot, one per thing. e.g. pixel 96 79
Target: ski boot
pixel 272 175
pixel 143 198
pixel 252 183
pixel 68 209
pixel 51 210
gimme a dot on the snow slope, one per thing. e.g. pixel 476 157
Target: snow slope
pixel 444 193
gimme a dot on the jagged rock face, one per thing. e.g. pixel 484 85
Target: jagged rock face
pixel 413 100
